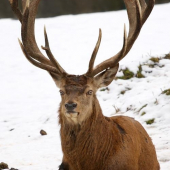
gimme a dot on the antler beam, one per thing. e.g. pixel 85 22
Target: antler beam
pixel 29 45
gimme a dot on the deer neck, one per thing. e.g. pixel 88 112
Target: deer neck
pixel 81 141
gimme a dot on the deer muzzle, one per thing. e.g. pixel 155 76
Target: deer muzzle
pixel 70 107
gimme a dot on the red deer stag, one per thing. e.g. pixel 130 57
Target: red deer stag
pixel 89 140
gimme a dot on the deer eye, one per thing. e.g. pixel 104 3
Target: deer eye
pixel 61 92
pixel 90 92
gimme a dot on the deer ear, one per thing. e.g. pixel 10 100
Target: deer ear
pixel 57 79
pixel 105 78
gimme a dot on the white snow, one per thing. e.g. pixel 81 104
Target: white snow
pixel 29 99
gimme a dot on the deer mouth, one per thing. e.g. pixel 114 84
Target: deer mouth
pixel 72 114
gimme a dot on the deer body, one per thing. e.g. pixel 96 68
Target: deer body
pixel 89 140
pixel 99 142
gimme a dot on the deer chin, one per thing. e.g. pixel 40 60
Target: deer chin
pixel 72 115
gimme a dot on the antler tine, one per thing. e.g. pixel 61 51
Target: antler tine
pixel 14 6
pixel 37 64
pixel 107 64
pixel 93 57
pixel 138 12
pixel 27 32
pixel 50 55
pixel 143 5
pixel 142 11
pixel 148 10
pixel 135 21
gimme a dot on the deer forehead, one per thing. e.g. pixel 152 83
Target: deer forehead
pixel 76 80
pixel 75 84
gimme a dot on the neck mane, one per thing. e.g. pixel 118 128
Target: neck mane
pixel 81 141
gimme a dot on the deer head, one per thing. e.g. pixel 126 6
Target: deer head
pixel 78 92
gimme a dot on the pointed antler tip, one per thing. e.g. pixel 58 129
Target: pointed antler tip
pixel 125 32
pixel 45 31
pixel 100 32
pixel 125 27
pixel 19 41
pixel 27 3
pixel 21 45
pixel 45 48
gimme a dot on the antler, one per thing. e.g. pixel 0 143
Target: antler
pixel 93 57
pixel 138 12
pixel 29 45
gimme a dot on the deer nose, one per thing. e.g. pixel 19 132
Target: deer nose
pixel 70 106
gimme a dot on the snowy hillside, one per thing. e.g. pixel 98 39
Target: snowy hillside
pixel 29 99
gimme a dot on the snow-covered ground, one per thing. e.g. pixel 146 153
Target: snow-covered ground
pixel 29 99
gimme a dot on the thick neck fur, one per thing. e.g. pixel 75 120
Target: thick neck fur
pixel 84 143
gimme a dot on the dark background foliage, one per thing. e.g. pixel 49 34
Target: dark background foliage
pixel 50 8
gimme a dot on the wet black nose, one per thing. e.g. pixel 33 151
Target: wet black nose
pixel 70 106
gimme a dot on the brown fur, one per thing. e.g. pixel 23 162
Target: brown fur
pixel 103 143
